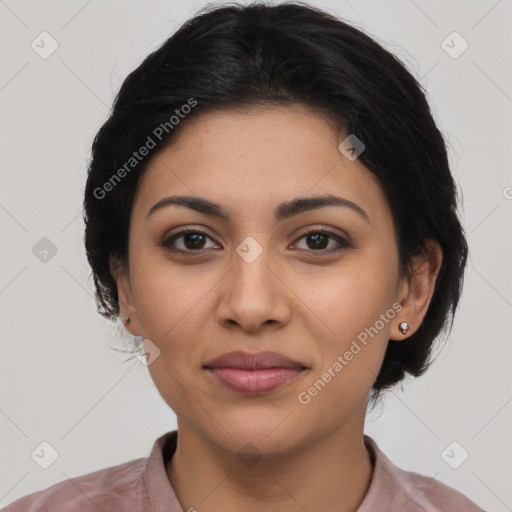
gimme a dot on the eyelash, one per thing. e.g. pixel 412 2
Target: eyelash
pixel 344 243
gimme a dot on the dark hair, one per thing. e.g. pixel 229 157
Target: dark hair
pixel 236 56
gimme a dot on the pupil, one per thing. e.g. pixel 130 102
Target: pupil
pixel 195 237
pixel 316 237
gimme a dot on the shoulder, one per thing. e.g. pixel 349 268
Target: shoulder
pixel 428 494
pixel 105 489
pixel 412 492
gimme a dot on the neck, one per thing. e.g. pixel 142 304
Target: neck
pixel 330 473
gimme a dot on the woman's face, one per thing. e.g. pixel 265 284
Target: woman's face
pixel 255 281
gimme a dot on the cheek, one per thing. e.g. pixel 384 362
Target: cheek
pixel 169 296
pixel 349 300
pixel 356 312
pixel 172 304
pixel 351 353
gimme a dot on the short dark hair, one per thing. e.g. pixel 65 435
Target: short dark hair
pixel 235 56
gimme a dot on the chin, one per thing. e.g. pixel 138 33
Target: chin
pixel 268 433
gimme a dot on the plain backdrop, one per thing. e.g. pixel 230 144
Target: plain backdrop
pixel 62 383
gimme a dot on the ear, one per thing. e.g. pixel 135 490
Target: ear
pixel 127 307
pixel 415 292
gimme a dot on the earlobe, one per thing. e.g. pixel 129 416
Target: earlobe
pixel 416 292
pixel 404 327
pixel 127 309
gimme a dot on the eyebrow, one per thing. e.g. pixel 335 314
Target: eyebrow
pixel 283 211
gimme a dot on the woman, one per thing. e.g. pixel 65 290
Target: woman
pixel 270 209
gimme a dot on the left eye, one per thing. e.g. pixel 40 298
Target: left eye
pixel 320 238
pixel 193 241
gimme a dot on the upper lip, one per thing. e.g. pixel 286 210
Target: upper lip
pixel 259 360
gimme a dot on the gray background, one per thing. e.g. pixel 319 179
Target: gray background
pixel 61 381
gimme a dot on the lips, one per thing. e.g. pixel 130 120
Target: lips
pixel 254 374
pixel 258 361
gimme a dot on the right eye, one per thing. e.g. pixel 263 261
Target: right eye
pixel 192 241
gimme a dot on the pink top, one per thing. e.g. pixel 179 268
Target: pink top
pixel 142 485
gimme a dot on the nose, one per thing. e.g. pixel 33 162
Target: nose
pixel 253 294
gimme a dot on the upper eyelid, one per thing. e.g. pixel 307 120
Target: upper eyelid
pixel 313 227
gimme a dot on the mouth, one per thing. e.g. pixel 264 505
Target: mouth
pixel 254 382
pixel 254 374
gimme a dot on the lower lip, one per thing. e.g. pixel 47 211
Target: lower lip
pixel 254 382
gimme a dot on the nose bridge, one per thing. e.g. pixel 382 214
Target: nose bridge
pixel 251 263
pixel 253 294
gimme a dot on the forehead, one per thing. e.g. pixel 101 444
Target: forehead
pixel 252 160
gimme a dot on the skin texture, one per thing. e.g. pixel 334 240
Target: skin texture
pixel 290 299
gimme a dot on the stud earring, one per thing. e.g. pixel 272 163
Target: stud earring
pixel 404 327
